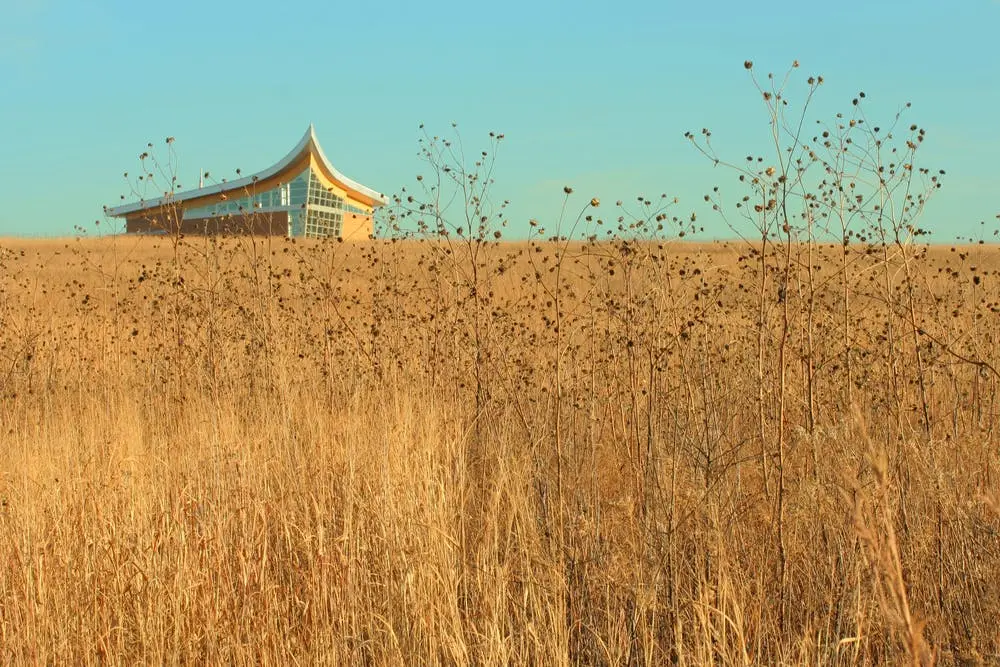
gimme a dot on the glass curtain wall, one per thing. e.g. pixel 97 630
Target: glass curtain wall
pixel 324 211
pixel 314 211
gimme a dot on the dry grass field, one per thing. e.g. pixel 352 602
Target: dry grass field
pixel 252 451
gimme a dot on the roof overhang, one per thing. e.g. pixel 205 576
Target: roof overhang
pixel 309 144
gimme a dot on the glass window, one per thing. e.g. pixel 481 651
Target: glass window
pixel 304 191
pixel 298 189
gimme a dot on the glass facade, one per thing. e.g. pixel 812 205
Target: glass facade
pixel 324 211
pixel 320 196
pixel 321 224
pixel 314 211
pixel 299 188
pixel 324 198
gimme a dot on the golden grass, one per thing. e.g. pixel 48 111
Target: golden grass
pixel 251 451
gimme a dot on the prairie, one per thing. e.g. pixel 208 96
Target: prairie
pixel 443 451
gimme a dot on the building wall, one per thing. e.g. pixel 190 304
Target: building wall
pixel 257 224
pixel 157 221
pixel 356 227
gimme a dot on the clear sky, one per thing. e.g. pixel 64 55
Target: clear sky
pixel 592 95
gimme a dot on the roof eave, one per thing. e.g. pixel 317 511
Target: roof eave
pixel 378 199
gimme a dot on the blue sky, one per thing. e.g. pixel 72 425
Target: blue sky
pixel 592 95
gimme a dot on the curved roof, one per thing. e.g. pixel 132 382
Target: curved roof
pixel 309 144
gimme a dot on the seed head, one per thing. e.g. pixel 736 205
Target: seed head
pixel 595 202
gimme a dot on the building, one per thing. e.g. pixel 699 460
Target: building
pixel 302 195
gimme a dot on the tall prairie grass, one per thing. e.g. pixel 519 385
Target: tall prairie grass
pixel 398 452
